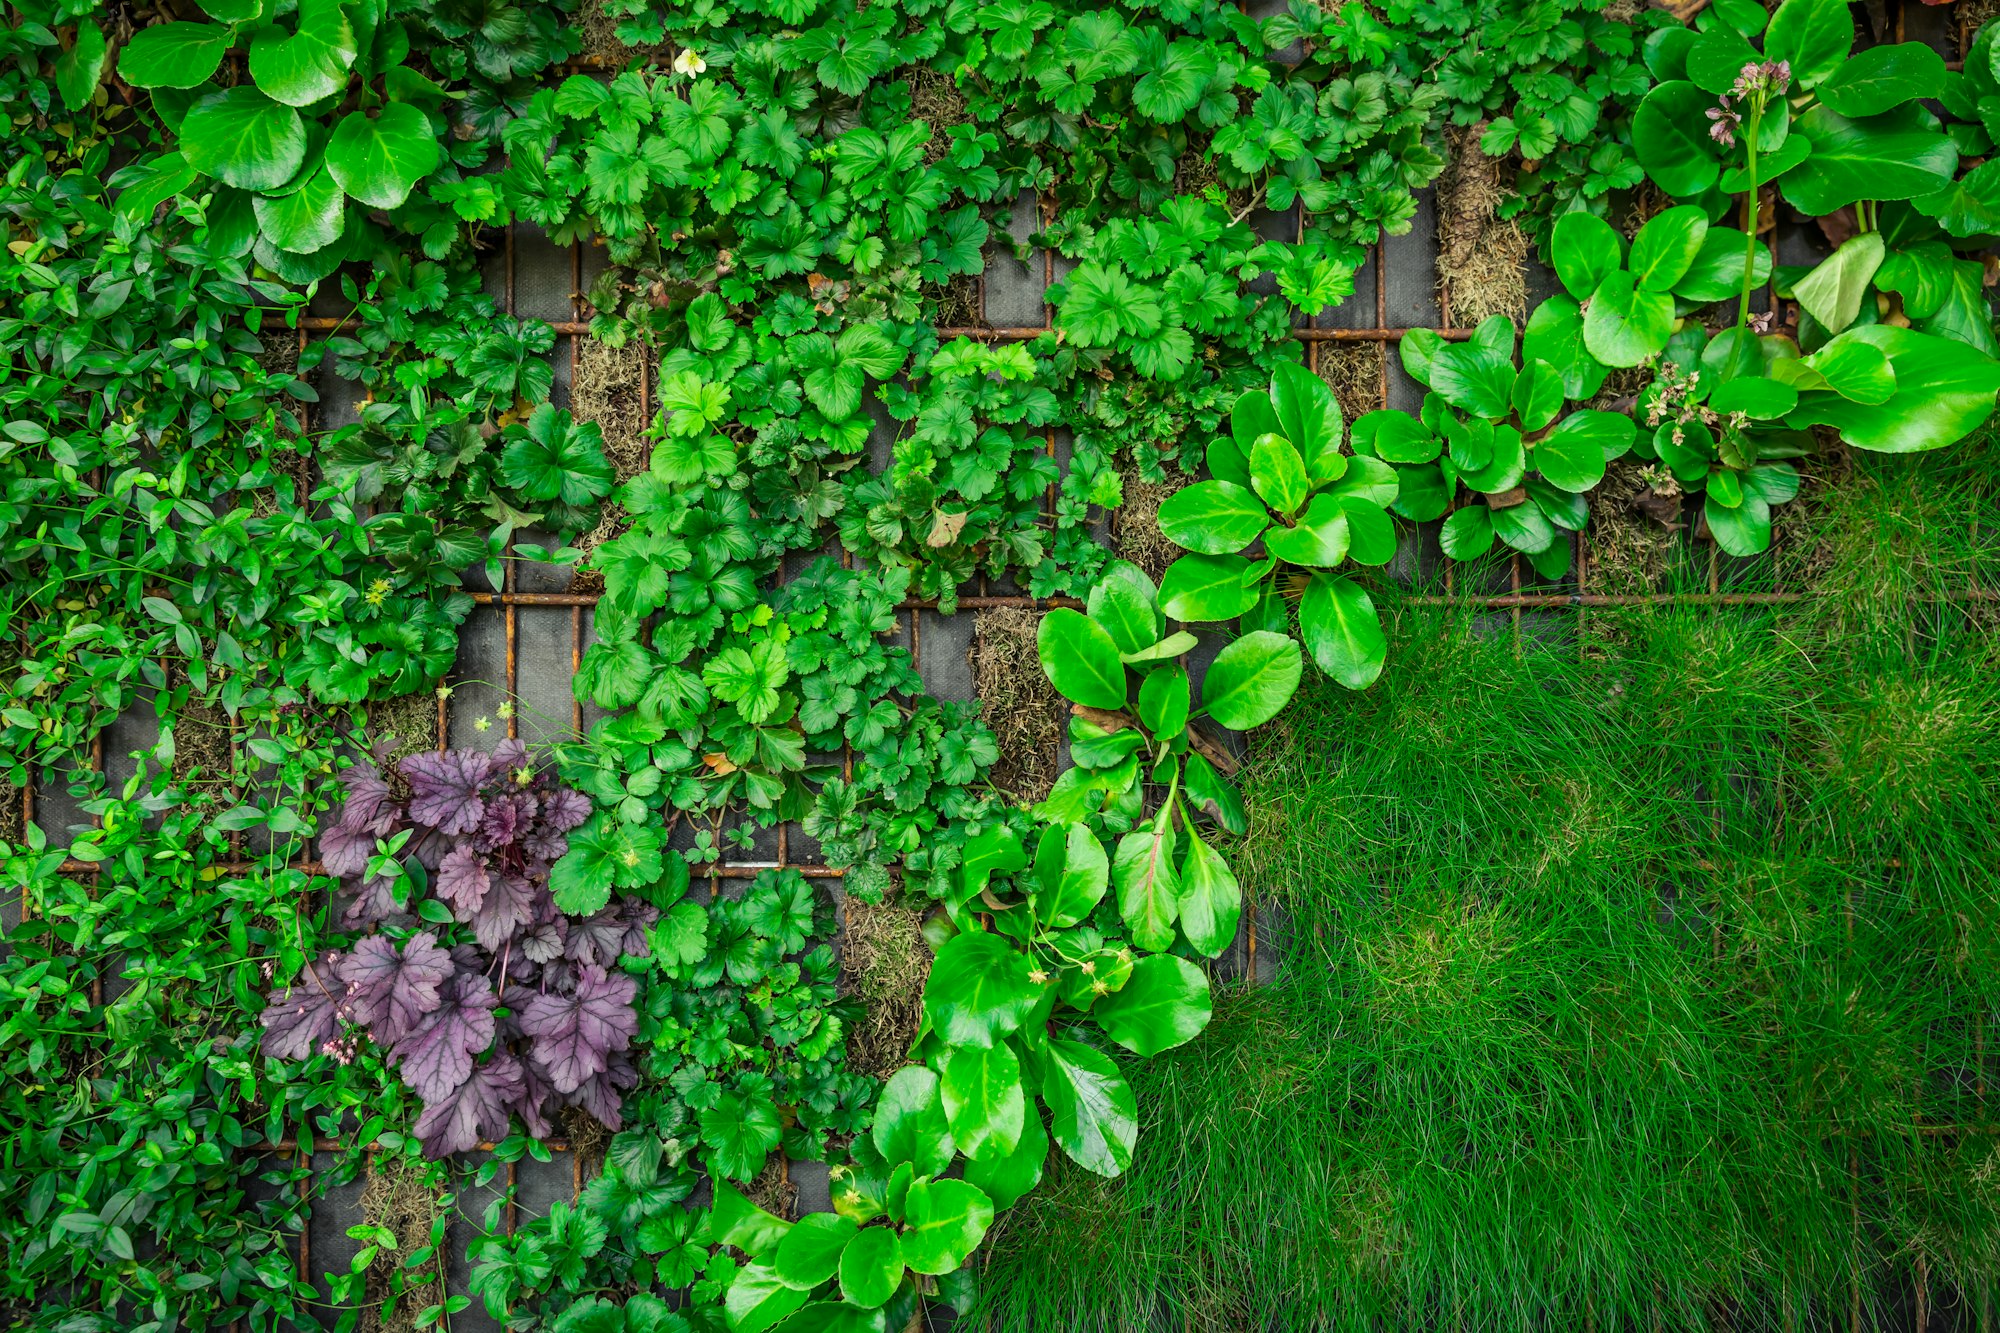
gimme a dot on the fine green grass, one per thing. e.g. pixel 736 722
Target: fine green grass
pixel 1637 973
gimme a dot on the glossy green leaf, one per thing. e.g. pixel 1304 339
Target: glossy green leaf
pixel 1395 437
pixel 1092 1114
pixel 1717 271
pixel 1073 871
pixel 379 160
pixel 303 67
pixel 983 1101
pixel 1164 1004
pixel 1743 530
pixel 1475 378
pixel 1944 391
pixel 871 1267
pixel 910 1123
pixel 1666 247
pixel 757 1299
pixel 1833 291
pixel 1007 1179
pixel 173 55
pixel 80 69
pixel 1309 416
pixel 810 1252
pixel 1252 418
pixel 1587 251
pixel 1894 156
pixel 1755 397
pixel 309 218
pixel 1277 474
pixel 1252 679
pixel 734 1220
pixel 1626 325
pixel 1573 455
pixel 1670 138
pixel 980 990
pixel 1219 517
pixel 1319 538
pixel 1538 395
pixel 1555 335
pixel 1214 795
pixel 1467 534
pixel 1812 36
pixel 1125 603
pixel 1371 536
pixel 1856 370
pixel 944 1221
pixel 1080 659
pixel 1524 527
pixel 1206 588
pixel 1163 701
pixel 1148 880
pixel 245 139
pixel 1878 78
pixel 1341 630
pixel 1211 905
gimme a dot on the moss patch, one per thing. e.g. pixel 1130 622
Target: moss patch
pixel 1136 535
pixel 884 962
pixel 936 100
pixel 410 718
pixel 203 745
pixel 609 388
pixel 13 824
pixel 1354 372
pixel 1028 717
pixel 399 1196
pixel 958 303
pixel 600 38
pixel 1634 516
pixel 1482 259
pixel 773 1190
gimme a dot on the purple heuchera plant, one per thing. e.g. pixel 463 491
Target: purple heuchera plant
pixel 486 828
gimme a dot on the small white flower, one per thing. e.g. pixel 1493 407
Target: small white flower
pixel 689 62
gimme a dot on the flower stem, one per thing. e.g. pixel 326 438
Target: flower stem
pixel 1750 212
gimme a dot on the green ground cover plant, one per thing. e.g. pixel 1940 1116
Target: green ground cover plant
pixel 252 944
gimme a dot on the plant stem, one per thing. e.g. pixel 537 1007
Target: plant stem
pixel 1750 212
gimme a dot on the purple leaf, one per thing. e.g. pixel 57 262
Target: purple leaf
pixel 437 1055
pixel 509 756
pixel 345 851
pixel 533 1105
pixel 545 941
pixel 462 880
pixel 599 1094
pixel 374 902
pixel 595 939
pixel 509 905
pixel 445 789
pixel 640 918
pixel 506 816
pixel 575 1035
pixel 370 808
pixel 308 1014
pixel 392 991
pixel 476 1109
pixel 565 809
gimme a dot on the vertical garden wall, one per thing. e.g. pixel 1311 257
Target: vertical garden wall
pixel 822 665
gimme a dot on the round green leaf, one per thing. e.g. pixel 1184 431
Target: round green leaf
pixel 1670 138
pixel 1944 391
pixel 308 219
pixel 1073 871
pixel 1162 1005
pixel 1538 395
pixel 983 1101
pixel 1422 494
pixel 1855 370
pixel 1476 377
pixel 1211 900
pixel 1227 460
pixel 80 69
pixel 245 139
pixel 1812 36
pixel 1125 602
pixel 1337 620
pixel 1878 78
pixel 1203 588
pixel 380 160
pixel 1895 156
pixel 1252 679
pixel 1163 702
pixel 1394 437
pixel 1524 527
pixel 1319 539
pixel 810 1252
pixel 1092 1114
pixel 944 1221
pixel 1717 58
pixel 312 63
pixel 1573 455
pixel 1717 271
pixel 1007 1179
pixel 1667 245
pixel 1743 530
pixel 1252 417
pixel 979 991
pixel 1371 536
pixel 1832 293
pixel 1215 517
pixel 1148 880
pixel 173 55
pixel 1626 325
pixel 1555 335
pixel 1309 416
pixel 1755 397
pixel 910 1124
pixel 871 1267
pixel 1277 474
pixel 757 1300
pixel 1080 659
pixel 1587 250
pixel 1467 534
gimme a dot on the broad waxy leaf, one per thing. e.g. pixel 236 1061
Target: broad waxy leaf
pixel 302 67
pixel 1309 416
pixel 245 139
pixel 173 55
pixel 1252 679
pixel 983 1100
pixel 1277 475
pixel 379 160
pixel 1587 251
pixel 1204 588
pixel 910 1123
pixel 1666 246
pixel 1073 871
pixel 944 1221
pixel 1007 1179
pixel 1081 660
pixel 1148 883
pixel 1215 517
pixel 758 1299
pixel 1092 1113
pixel 1625 324
pixel 871 1267
pixel 979 990
pixel 1341 630
pixel 1127 605
pixel 810 1252
pixel 1211 900
pixel 1163 1004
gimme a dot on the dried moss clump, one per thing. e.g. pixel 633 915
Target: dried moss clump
pixel 399 1196
pixel 1482 260
pixel 600 38
pixel 1028 717
pixel 936 100
pixel 609 388
pixel 1137 536
pixel 884 962
pixel 773 1190
pixel 1634 522
pixel 412 719
pixel 203 745
pixel 1354 372
pixel 13 824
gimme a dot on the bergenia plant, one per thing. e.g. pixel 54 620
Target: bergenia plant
pixel 494 1004
pixel 1282 494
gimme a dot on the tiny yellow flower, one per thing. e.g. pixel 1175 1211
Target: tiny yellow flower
pixel 482 724
pixel 506 709
pixel 523 776
pixel 1039 977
